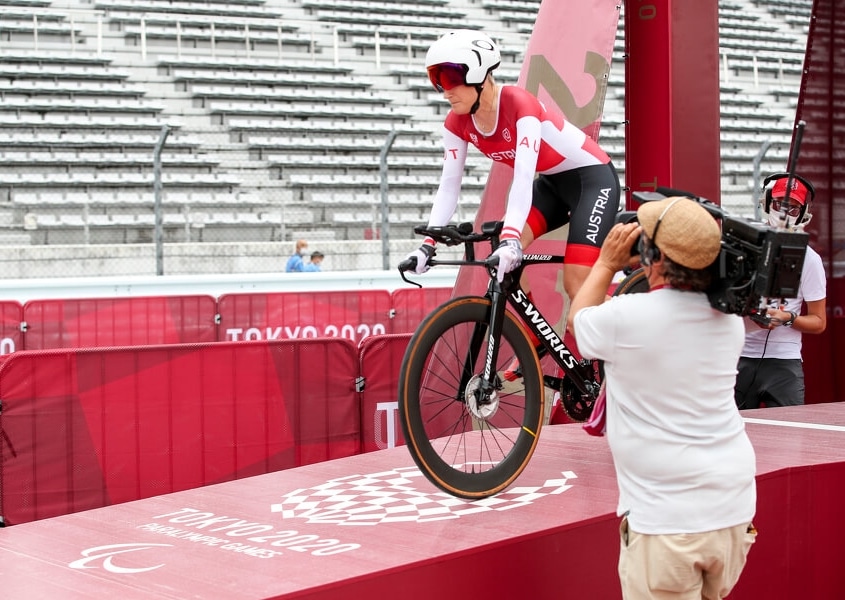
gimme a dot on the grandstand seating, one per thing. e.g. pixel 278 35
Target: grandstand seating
pixel 260 96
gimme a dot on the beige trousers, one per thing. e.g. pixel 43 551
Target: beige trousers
pixel 691 566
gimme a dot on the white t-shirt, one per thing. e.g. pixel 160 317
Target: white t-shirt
pixel 684 463
pixel 785 342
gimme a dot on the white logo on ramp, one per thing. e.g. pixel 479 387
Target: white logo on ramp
pixel 391 497
pixel 107 553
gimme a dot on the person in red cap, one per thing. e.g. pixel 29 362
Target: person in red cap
pixel 770 369
pixel 787 213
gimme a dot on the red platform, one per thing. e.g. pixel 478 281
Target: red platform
pixel 370 526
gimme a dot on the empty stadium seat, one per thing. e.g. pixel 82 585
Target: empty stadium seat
pixel 290 103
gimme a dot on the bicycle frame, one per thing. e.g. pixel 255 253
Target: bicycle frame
pixel 578 371
pixel 509 292
pixel 471 387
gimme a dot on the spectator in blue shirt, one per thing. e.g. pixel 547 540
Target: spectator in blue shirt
pixel 314 265
pixel 295 263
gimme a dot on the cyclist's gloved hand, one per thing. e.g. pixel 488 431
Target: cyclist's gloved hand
pixel 422 256
pixel 510 257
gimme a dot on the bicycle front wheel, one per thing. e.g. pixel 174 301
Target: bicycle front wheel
pixel 468 442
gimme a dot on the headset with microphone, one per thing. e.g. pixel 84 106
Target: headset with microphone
pixel 775 176
pixel 651 253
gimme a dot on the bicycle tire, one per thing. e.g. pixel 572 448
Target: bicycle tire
pixel 635 283
pixel 459 448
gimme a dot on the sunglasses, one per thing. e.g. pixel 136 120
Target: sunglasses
pixel 794 209
pixel 446 76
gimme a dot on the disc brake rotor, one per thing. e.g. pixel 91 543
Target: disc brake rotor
pixel 480 405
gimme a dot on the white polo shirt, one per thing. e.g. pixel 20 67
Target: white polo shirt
pixel 684 463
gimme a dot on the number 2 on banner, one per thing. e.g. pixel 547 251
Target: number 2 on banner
pixel 542 73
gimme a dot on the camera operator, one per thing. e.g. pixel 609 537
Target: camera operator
pixel 770 368
pixel 684 464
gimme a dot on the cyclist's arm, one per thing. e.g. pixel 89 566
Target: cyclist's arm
pixel 528 134
pixel 449 190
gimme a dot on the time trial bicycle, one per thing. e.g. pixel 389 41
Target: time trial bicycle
pixel 470 425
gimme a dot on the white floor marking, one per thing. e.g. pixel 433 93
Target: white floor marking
pixel 795 424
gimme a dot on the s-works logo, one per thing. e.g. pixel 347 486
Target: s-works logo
pixel 102 557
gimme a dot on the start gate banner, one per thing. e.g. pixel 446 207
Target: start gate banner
pixel 133 321
pixel 86 428
pixel 352 315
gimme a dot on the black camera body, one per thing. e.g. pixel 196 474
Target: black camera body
pixel 756 261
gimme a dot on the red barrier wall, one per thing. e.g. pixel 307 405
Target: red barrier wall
pixel 135 321
pixel 11 336
pixel 380 360
pixel 353 315
pixel 411 305
pixel 87 428
pixel 824 354
pixel 798 551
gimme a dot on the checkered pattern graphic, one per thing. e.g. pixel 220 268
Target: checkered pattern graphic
pixel 396 496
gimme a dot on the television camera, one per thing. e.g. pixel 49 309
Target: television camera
pixel 756 262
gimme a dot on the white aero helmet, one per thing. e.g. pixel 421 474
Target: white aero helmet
pixel 469 51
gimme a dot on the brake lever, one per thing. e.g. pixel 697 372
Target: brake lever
pixel 406 265
pixel 406 280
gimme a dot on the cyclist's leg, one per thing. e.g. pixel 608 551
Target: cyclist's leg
pixel 534 228
pixel 548 212
pixel 514 370
pixel 586 198
pixel 595 204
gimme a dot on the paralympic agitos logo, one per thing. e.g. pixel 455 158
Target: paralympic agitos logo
pixel 103 557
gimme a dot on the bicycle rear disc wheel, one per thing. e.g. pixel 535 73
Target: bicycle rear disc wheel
pixel 466 443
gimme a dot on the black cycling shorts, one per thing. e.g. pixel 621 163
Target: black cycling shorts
pixel 587 198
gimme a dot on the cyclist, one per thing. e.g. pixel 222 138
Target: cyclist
pixel 575 182
pixel 770 369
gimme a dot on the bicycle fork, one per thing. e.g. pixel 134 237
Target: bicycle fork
pixel 484 389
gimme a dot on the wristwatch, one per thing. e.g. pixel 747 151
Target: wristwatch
pixel 792 317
